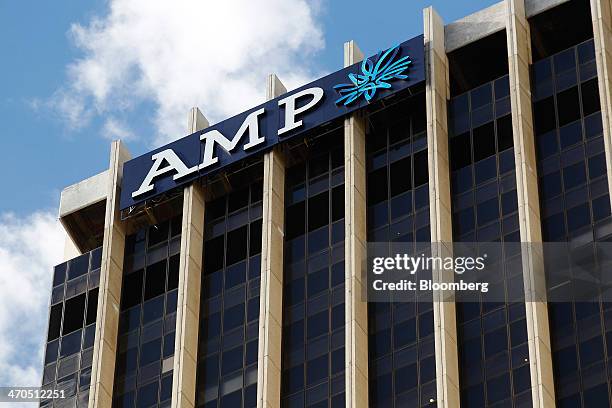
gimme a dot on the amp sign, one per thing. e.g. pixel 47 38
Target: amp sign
pixel 259 129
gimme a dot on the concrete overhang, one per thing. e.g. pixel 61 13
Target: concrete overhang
pixel 82 211
pixel 475 26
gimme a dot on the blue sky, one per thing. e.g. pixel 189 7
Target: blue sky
pixel 46 154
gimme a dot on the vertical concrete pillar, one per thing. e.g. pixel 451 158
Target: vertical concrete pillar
pixel 437 93
pixel 356 317
pixel 111 275
pixel 271 295
pixel 189 285
pixel 601 14
pixel 519 57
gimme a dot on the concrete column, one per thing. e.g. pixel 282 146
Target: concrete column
pixel 601 14
pixel 519 57
pixel 111 276
pixel 271 295
pixel 356 317
pixel 437 94
pixel 190 283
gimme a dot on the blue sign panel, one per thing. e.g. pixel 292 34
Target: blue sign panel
pixel 275 121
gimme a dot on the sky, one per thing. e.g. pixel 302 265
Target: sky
pixel 75 75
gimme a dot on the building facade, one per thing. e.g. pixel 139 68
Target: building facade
pixel 243 287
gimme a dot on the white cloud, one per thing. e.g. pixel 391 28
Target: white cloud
pixel 185 53
pixel 114 129
pixel 29 247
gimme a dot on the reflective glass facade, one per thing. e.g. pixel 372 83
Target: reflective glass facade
pixel 72 328
pixel 402 366
pixel 229 306
pixel 575 207
pixel 313 293
pixel 145 348
pixel 492 336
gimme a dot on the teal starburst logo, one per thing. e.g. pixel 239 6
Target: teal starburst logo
pixel 374 75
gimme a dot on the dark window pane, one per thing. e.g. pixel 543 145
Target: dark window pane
pixel 601 207
pixel 578 217
pixel 236 245
pixel 158 233
pixel 544 115
pixel 293 379
pixel 74 314
pixel 173 272
pixel 570 134
pixel 231 360
pixel 568 106
pixel 55 321
pixel 131 293
pixel 464 221
pixel 150 352
pixel 485 169
pixel 71 344
pixel 495 342
pixel 169 340
pixel 233 317
pixel 255 237
pixel 318 211
pixel 481 96
pixel 318 166
pixel 591 351
pixel 420 168
pixel 297 214
pixel 460 151
pixel 155 280
pixel 237 200
pixel 147 395
pixel 213 254
pixel 377 186
pixel 551 185
pixel 487 211
pixel 574 175
pixel 316 370
pixel 338 203
pixel 399 131
pixel 251 353
pixel 401 176
pixel 590 97
pixel 253 309
pixel 597 396
pixel 78 266
pixel 215 209
pixel 318 282
pixel 318 324
pixel 597 166
pixel 176 225
pixel 404 333
pixel 547 144
pixel 235 275
pixel 484 141
pixel 498 389
pixel 153 310
pixel 92 306
pixel 509 202
pixel 166 388
pixel 59 274
pixel 211 325
pixel 504 133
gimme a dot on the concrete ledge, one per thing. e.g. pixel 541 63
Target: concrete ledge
pixel 475 26
pixel 83 194
pixel 533 7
